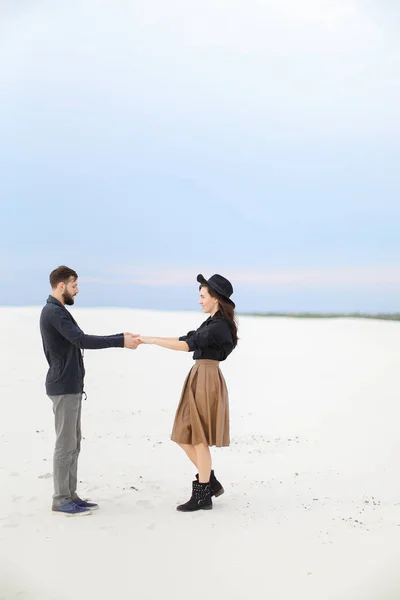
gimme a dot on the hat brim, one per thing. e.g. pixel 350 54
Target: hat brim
pixel 202 279
pixel 216 288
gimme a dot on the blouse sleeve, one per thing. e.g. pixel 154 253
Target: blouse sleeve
pixel 217 333
pixel 184 338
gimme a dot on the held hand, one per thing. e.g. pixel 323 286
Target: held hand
pixel 130 341
pixel 135 335
pixel 145 339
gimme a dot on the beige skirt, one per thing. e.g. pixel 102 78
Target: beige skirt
pixel 202 416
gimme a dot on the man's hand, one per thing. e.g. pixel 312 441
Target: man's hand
pixel 131 340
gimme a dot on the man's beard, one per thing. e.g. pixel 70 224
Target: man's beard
pixel 68 299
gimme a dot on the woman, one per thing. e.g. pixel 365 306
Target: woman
pixel 202 417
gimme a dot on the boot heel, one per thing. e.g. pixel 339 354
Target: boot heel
pixel 207 507
pixel 219 493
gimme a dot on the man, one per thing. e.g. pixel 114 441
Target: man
pixel 63 341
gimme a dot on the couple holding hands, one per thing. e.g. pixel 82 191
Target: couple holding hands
pixel 202 416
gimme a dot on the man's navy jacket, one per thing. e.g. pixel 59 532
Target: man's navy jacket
pixel 63 341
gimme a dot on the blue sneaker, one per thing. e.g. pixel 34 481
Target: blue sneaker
pixel 84 504
pixel 71 510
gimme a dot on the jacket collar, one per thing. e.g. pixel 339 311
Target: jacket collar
pixel 52 300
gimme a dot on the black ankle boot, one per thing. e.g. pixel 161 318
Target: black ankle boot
pixel 215 485
pixel 200 500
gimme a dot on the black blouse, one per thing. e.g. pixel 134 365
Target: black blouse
pixel 212 340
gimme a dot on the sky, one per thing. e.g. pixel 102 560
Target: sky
pixel 142 143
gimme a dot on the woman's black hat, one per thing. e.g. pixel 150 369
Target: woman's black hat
pixel 219 284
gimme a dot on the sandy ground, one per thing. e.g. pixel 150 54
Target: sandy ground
pixel 312 502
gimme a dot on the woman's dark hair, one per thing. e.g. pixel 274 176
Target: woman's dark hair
pixel 61 274
pixel 227 311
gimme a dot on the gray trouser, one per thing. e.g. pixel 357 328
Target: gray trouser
pixel 67 413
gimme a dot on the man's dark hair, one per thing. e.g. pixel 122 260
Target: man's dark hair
pixel 62 274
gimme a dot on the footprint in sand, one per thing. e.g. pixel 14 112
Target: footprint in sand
pixel 118 497
pixel 144 503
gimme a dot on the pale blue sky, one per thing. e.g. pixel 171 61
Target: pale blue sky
pixel 143 143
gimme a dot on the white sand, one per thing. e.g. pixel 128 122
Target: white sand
pixel 312 502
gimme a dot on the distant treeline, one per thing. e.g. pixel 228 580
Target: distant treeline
pixel 311 315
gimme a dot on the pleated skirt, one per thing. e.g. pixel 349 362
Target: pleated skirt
pixel 202 416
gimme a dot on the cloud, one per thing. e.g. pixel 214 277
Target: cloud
pixel 329 277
